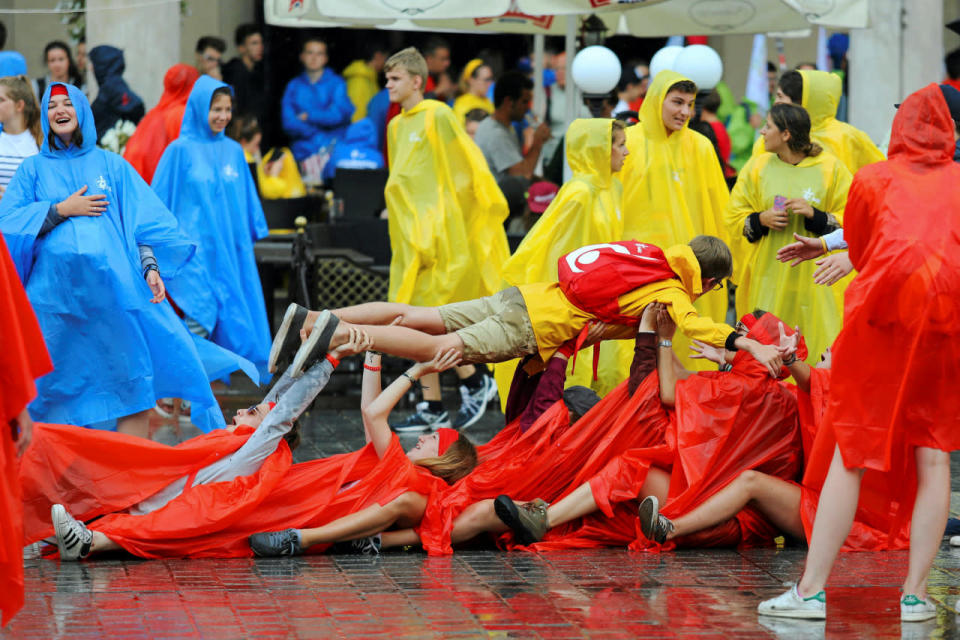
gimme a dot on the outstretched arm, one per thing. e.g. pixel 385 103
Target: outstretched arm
pixel 375 414
pixel 668 367
pixel 799 369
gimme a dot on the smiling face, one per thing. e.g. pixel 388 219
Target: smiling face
pixel 428 446
pixel 251 417
pixel 618 151
pixel 221 110
pixel 677 109
pixel 62 116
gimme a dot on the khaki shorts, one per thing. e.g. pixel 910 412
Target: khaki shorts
pixel 493 329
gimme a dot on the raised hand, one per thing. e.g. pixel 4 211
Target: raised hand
pixel 832 268
pixel 595 333
pixel 80 205
pixel 788 344
pixel 803 249
pixel 441 362
pixel 666 327
pixel 702 350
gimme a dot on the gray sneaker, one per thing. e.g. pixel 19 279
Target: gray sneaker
pixel 276 543
pixel 473 402
pixel 528 521
pixel 422 420
pixel 369 546
pixel 653 525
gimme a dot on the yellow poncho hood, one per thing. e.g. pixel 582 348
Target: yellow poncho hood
pixel 651 118
pixel 684 263
pixel 821 96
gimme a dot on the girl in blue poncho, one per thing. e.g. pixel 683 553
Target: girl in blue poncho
pixel 89 239
pixel 203 178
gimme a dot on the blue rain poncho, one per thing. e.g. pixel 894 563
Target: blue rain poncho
pixel 114 352
pixel 203 179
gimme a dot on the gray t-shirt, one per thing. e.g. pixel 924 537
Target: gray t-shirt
pixel 500 146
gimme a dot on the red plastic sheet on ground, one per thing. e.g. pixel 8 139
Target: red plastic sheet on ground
pixel 23 357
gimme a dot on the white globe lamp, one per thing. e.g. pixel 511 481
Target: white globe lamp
pixel 596 71
pixel 701 64
pixel 663 60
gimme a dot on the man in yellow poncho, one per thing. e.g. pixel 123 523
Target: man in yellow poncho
pixel 446 218
pixel 673 186
pixel 796 188
pixel 819 93
pixel 585 211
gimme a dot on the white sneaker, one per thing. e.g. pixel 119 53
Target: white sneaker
pixel 913 609
pixel 955 541
pixel 792 605
pixel 73 537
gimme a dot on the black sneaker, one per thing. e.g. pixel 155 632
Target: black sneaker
pixel 276 543
pixel 73 537
pixel 287 340
pixel 653 525
pixel 315 347
pixel 422 420
pixel 528 521
pixel 361 546
pixel 473 402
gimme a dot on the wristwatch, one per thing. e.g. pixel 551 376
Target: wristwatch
pixel 666 343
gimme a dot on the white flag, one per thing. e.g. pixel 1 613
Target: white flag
pixel 757 87
pixel 823 61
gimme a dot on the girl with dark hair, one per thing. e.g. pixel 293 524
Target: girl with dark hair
pixel 795 188
pixel 60 68
pixel 203 178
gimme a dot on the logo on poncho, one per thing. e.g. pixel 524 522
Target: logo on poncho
pixel 230 173
pixel 810 196
pixel 102 184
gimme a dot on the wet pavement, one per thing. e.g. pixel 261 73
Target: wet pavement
pixel 479 593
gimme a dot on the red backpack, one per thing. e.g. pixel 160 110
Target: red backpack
pixel 595 276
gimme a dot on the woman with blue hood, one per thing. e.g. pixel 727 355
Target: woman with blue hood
pixel 89 238
pixel 203 178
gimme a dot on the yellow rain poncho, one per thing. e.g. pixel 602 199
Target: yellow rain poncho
pixel 673 190
pixel 445 210
pixel 821 95
pixel 790 292
pixel 585 211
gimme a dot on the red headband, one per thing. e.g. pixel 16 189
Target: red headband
pixel 447 437
pixel 58 90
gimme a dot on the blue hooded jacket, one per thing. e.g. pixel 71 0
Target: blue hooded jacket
pixel 12 63
pixel 203 178
pixel 115 101
pixel 328 109
pixel 357 150
pixel 114 352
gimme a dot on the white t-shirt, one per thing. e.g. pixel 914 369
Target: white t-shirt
pixel 13 150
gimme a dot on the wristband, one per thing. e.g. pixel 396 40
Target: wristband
pixel 333 361
pixel 409 377
pixel 790 361
pixel 369 368
pixel 666 343
pixel 823 242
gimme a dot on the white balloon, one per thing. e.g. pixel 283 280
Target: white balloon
pixel 701 64
pixel 663 60
pixel 596 70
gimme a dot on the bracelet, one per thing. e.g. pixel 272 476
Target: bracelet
pixel 793 358
pixel 374 353
pixel 666 343
pixel 409 377
pixel 333 361
pixel 823 241
pixel 369 368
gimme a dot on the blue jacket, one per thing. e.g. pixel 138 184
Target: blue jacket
pixel 377 110
pixel 114 352
pixel 204 180
pixel 115 101
pixel 357 150
pixel 328 110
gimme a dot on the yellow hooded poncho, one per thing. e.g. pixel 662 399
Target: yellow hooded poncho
pixel 821 95
pixel 361 86
pixel 446 211
pixel 673 190
pixel 773 286
pixel 585 211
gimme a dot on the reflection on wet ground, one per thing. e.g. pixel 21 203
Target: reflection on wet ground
pixel 607 593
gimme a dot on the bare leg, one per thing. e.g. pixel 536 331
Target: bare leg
pixel 835 511
pixel 466 371
pixel 777 499
pixel 930 511
pixel 101 543
pixel 399 538
pixel 136 424
pixel 401 341
pixel 476 519
pixel 581 501
pixel 430 384
pixel 405 510
pixel 426 319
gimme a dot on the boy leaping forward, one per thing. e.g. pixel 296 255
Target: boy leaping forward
pixel 609 283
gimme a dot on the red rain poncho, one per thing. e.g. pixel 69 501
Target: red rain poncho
pixel 897 359
pixel 161 125
pixel 22 359
pixel 210 520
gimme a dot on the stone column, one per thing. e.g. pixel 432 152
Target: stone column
pixel 900 52
pixel 148 35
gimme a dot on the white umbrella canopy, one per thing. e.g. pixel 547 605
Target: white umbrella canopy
pixel 719 17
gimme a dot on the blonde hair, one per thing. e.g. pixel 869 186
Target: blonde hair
pixel 457 461
pixel 18 88
pixel 412 62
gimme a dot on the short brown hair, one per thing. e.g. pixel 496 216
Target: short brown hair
pixel 411 61
pixel 457 461
pixel 683 86
pixel 714 257
pixel 616 125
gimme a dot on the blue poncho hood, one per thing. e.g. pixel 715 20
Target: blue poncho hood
pixel 88 128
pixel 107 62
pixel 12 63
pixel 196 117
